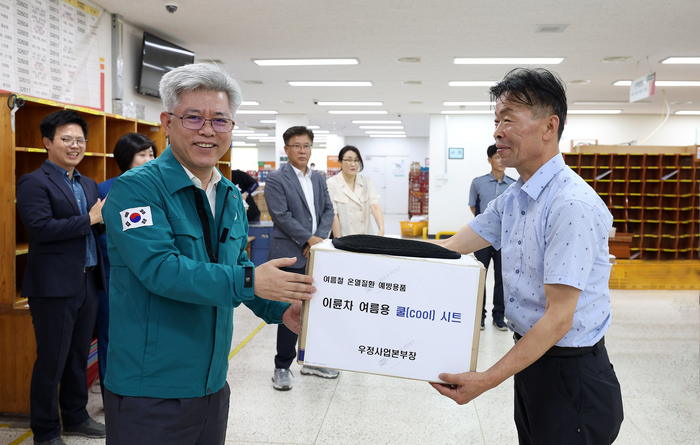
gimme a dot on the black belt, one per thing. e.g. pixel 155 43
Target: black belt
pixel 559 351
pixel 89 269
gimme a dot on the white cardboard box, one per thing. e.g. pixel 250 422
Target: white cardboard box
pixel 423 314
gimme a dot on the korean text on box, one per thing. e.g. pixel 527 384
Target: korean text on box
pixel 397 316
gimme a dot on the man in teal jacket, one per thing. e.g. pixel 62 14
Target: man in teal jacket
pixel 176 235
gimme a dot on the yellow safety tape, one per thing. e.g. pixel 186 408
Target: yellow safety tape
pixel 22 438
pixel 247 339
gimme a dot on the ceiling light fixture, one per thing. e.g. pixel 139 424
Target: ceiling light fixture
pixel 594 112
pixel 255 112
pixel 579 82
pixel 381 127
pixel 409 59
pixel 387 135
pixel 663 83
pixel 472 83
pixel 305 62
pixel 682 60
pixel 312 127
pixel 315 83
pixel 467 112
pixel 412 82
pixel 469 104
pixel 253 82
pixel 688 113
pixel 611 102
pixel 250 102
pixel 507 60
pixel 376 122
pixel 320 131
pixel 268 121
pixel 385 132
pixel 350 104
pixel 357 112
pixel 242 144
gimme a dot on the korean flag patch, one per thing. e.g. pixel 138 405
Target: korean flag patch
pixel 136 217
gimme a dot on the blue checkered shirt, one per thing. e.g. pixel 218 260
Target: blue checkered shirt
pixel 553 229
pixel 79 194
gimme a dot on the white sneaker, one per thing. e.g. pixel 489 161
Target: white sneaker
pixel 320 372
pixel 282 380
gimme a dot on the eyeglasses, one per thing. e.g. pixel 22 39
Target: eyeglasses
pixel 193 122
pixel 298 147
pixel 69 141
pixel 351 161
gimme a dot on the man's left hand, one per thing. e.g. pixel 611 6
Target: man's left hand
pixel 462 388
pixel 292 317
pixel 312 241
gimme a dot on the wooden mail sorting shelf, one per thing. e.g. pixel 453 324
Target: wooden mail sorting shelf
pixel 22 152
pixel 655 197
pixel 395 316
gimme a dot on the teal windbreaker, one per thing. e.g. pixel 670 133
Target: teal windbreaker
pixel 171 309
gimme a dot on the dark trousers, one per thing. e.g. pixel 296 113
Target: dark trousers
pixel 63 327
pixel 103 334
pixel 568 400
pixel 286 339
pixel 151 421
pixel 485 255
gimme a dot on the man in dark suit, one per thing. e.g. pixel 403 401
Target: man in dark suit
pixel 61 210
pixel 301 209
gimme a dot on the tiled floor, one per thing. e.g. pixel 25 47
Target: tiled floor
pixel 654 343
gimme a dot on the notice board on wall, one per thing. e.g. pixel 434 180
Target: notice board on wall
pixel 49 49
pixel 395 316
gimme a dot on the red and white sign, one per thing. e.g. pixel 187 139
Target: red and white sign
pixel 643 87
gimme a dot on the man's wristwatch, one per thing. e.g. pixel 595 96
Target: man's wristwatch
pixel 248 274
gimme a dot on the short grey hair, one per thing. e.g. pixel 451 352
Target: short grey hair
pixel 198 76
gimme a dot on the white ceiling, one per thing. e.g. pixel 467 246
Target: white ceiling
pixel 378 32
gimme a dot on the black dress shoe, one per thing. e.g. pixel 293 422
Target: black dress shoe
pixel 54 441
pixel 89 428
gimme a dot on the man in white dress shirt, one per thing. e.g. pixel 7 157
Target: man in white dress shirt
pixel 302 212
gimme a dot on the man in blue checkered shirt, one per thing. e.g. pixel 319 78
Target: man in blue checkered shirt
pixel 552 229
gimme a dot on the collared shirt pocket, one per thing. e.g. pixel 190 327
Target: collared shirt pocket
pixel 187 238
pixel 231 246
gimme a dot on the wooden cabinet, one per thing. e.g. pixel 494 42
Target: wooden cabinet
pixel 653 196
pixel 21 152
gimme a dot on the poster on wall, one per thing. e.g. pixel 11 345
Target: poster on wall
pixel 398 169
pixel 49 49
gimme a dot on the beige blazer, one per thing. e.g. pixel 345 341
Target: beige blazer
pixel 353 207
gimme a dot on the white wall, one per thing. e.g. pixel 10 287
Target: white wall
pixel 266 154
pixel 415 148
pixel 618 129
pixel 449 197
pixel 450 179
pixel 244 158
